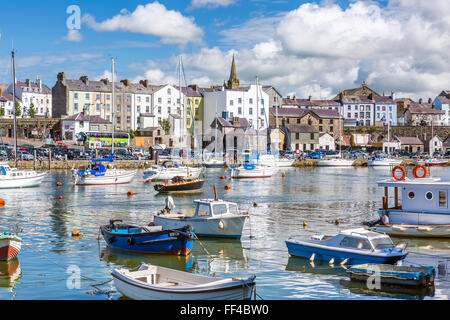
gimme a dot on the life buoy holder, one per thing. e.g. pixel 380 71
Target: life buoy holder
pixel 403 177
pixel 425 171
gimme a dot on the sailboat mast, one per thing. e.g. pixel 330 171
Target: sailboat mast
pixel 14 105
pixel 257 118
pixel 113 105
pixel 389 132
pixel 181 111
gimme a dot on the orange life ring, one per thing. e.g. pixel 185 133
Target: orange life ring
pixel 425 171
pixel 403 173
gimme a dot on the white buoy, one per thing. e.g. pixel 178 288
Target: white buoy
pixel 312 257
pixel 331 261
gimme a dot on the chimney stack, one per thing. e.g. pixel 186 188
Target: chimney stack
pixel 61 77
pixel 420 100
pixel 430 101
pixel 85 80
pixel 105 81
pixel 144 83
pixel 309 98
pixel 126 82
pixel 27 81
pixel 39 83
pixel 392 95
pixel 194 87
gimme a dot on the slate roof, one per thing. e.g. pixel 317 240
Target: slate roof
pixel 98 120
pixel 77 117
pixel 243 123
pixel 300 112
pixel 423 108
pixel 33 85
pixel 409 140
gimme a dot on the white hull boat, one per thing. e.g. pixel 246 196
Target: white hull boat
pixel 13 178
pixel 411 230
pixel 386 162
pixel 335 163
pixel 272 161
pixel 159 173
pixel 248 172
pixel 214 163
pixel 159 283
pixel 112 176
pixel 10 245
pixel 432 162
pixel 212 218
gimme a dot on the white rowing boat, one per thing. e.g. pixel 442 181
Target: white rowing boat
pixel 158 283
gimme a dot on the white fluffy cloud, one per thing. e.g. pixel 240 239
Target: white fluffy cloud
pixel 73 35
pixel 152 19
pixel 211 3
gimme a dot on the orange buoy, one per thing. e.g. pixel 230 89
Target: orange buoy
pixel 76 233
pixel 283 175
pixel 2 202
pixel 59 184
pixel 403 173
pixel 227 187
pixel 425 171
pixel 149 181
pixel 222 177
pixel 130 193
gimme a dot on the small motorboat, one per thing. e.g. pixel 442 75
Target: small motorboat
pixel 169 170
pixel 180 185
pixel 150 239
pixel 353 246
pixel 158 283
pixel 13 178
pixel 394 275
pixel 432 162
pixel 98 174
pixel 10 245
pixel 212 218
pixel 383 162
pixel 335 163
pixel 248 171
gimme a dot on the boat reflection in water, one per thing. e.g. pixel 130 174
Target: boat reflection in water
pixel 10 274
pixel 388 291
pixel 133 261
pixel 318 267
pixel 225 256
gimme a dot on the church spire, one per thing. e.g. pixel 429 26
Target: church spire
pixel 233 82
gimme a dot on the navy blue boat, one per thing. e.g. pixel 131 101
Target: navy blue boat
pixel 151 239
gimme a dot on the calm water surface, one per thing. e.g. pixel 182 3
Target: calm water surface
pixel 318 196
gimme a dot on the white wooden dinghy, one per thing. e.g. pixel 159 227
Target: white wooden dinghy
pixel 158 283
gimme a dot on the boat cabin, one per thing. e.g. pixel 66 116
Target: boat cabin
pixel 207 208
pixel 361 239
pixel 424 200
pixel 5 169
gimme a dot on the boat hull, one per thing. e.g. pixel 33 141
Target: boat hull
pixel 231 226
pixel 137 291
pixel 306 251
pixel 122 178
pixel 169 174
pixel 22 182
pixel 163 242
pixel 383 163
pixel 335 163
pixel 9 248
pixel 415 231
pixel 189 186
pixel 242 173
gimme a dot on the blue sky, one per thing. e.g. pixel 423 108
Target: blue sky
pixel 307 47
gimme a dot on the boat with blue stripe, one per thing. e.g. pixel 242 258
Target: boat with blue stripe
pixel 150 239
pixel 353 246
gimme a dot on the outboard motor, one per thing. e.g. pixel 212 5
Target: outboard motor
pixel 170 205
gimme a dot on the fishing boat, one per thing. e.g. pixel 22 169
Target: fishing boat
pixel 13 178
pixel 381 161
pixel 180 185
pixel 211 218
pixel 250 170
pixel 420 209
pixel 169 170
pixel 10 245
pixel 150 239
pixel 394 275
pixel 158 283
pixel 353 246
pixel 98 174
pixel 432 162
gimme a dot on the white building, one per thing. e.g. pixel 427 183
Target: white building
pixel 38 95
pixel 326 142
pixel 72 126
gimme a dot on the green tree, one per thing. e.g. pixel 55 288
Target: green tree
pixel 18 111
pixel 132 134
pixel 2 112
pixel 165 125
pixel 31 111
pixel 137 133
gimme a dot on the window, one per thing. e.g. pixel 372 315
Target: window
pixel 233 208
pixel 239 110
pixel 311 136
pixel 118 120
pixel 169 101
pixel 250 111
pixel 203 210
pixel 382 243
pixel 118 97
pixel 147 109
pixel 138 99
pixel 239 100
pixel 118 108
pixel 87 96
pixel 147 99
pixel 349 115
pixel 128 98
pixel 97 97
pixel 168 110
pixel 169 91
pixel 97 107
pixel 312 146
pixel 298 120
pixel 128 119
pixel 75 106
pixel 250 101
pixel 320 128
pixel 231 102
pixel 75 95
pixel 297 135
pixel 355 243
pixel 220 208
pixel 108 107
pixel 159 109
pixel 331 128
pixel 128 108
pixel 108 97
pixel 262 112
pixel 331 121
pixel 429 195
pixel 159 100
pixel 443 199
pixel 411 195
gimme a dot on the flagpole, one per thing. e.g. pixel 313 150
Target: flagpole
pixel 14 106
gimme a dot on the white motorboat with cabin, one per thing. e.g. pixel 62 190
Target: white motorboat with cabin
pixel 211 218
pixel 336 162
pixel 422 210
pixel 13 178
pixel 270 160
pixel 383 162
pixel 158 283
pixel 248 171
pixel 169 170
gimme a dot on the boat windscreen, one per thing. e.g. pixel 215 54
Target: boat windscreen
pixel 382 243
pixel 233 208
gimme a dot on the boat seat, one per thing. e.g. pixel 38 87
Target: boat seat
pixel 167 284
pixel 152 228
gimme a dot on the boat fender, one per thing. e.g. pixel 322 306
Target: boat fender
pixel 130 241
pixel 111 240
pixel 385 219
pixel 222 224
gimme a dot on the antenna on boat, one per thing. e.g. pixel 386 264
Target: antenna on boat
pixel 215 193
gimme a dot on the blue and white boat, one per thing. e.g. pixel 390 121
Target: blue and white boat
pixel 98 174
pixel 150 239
pixel 353 246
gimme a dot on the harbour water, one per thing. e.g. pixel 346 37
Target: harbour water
pixel 327 199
